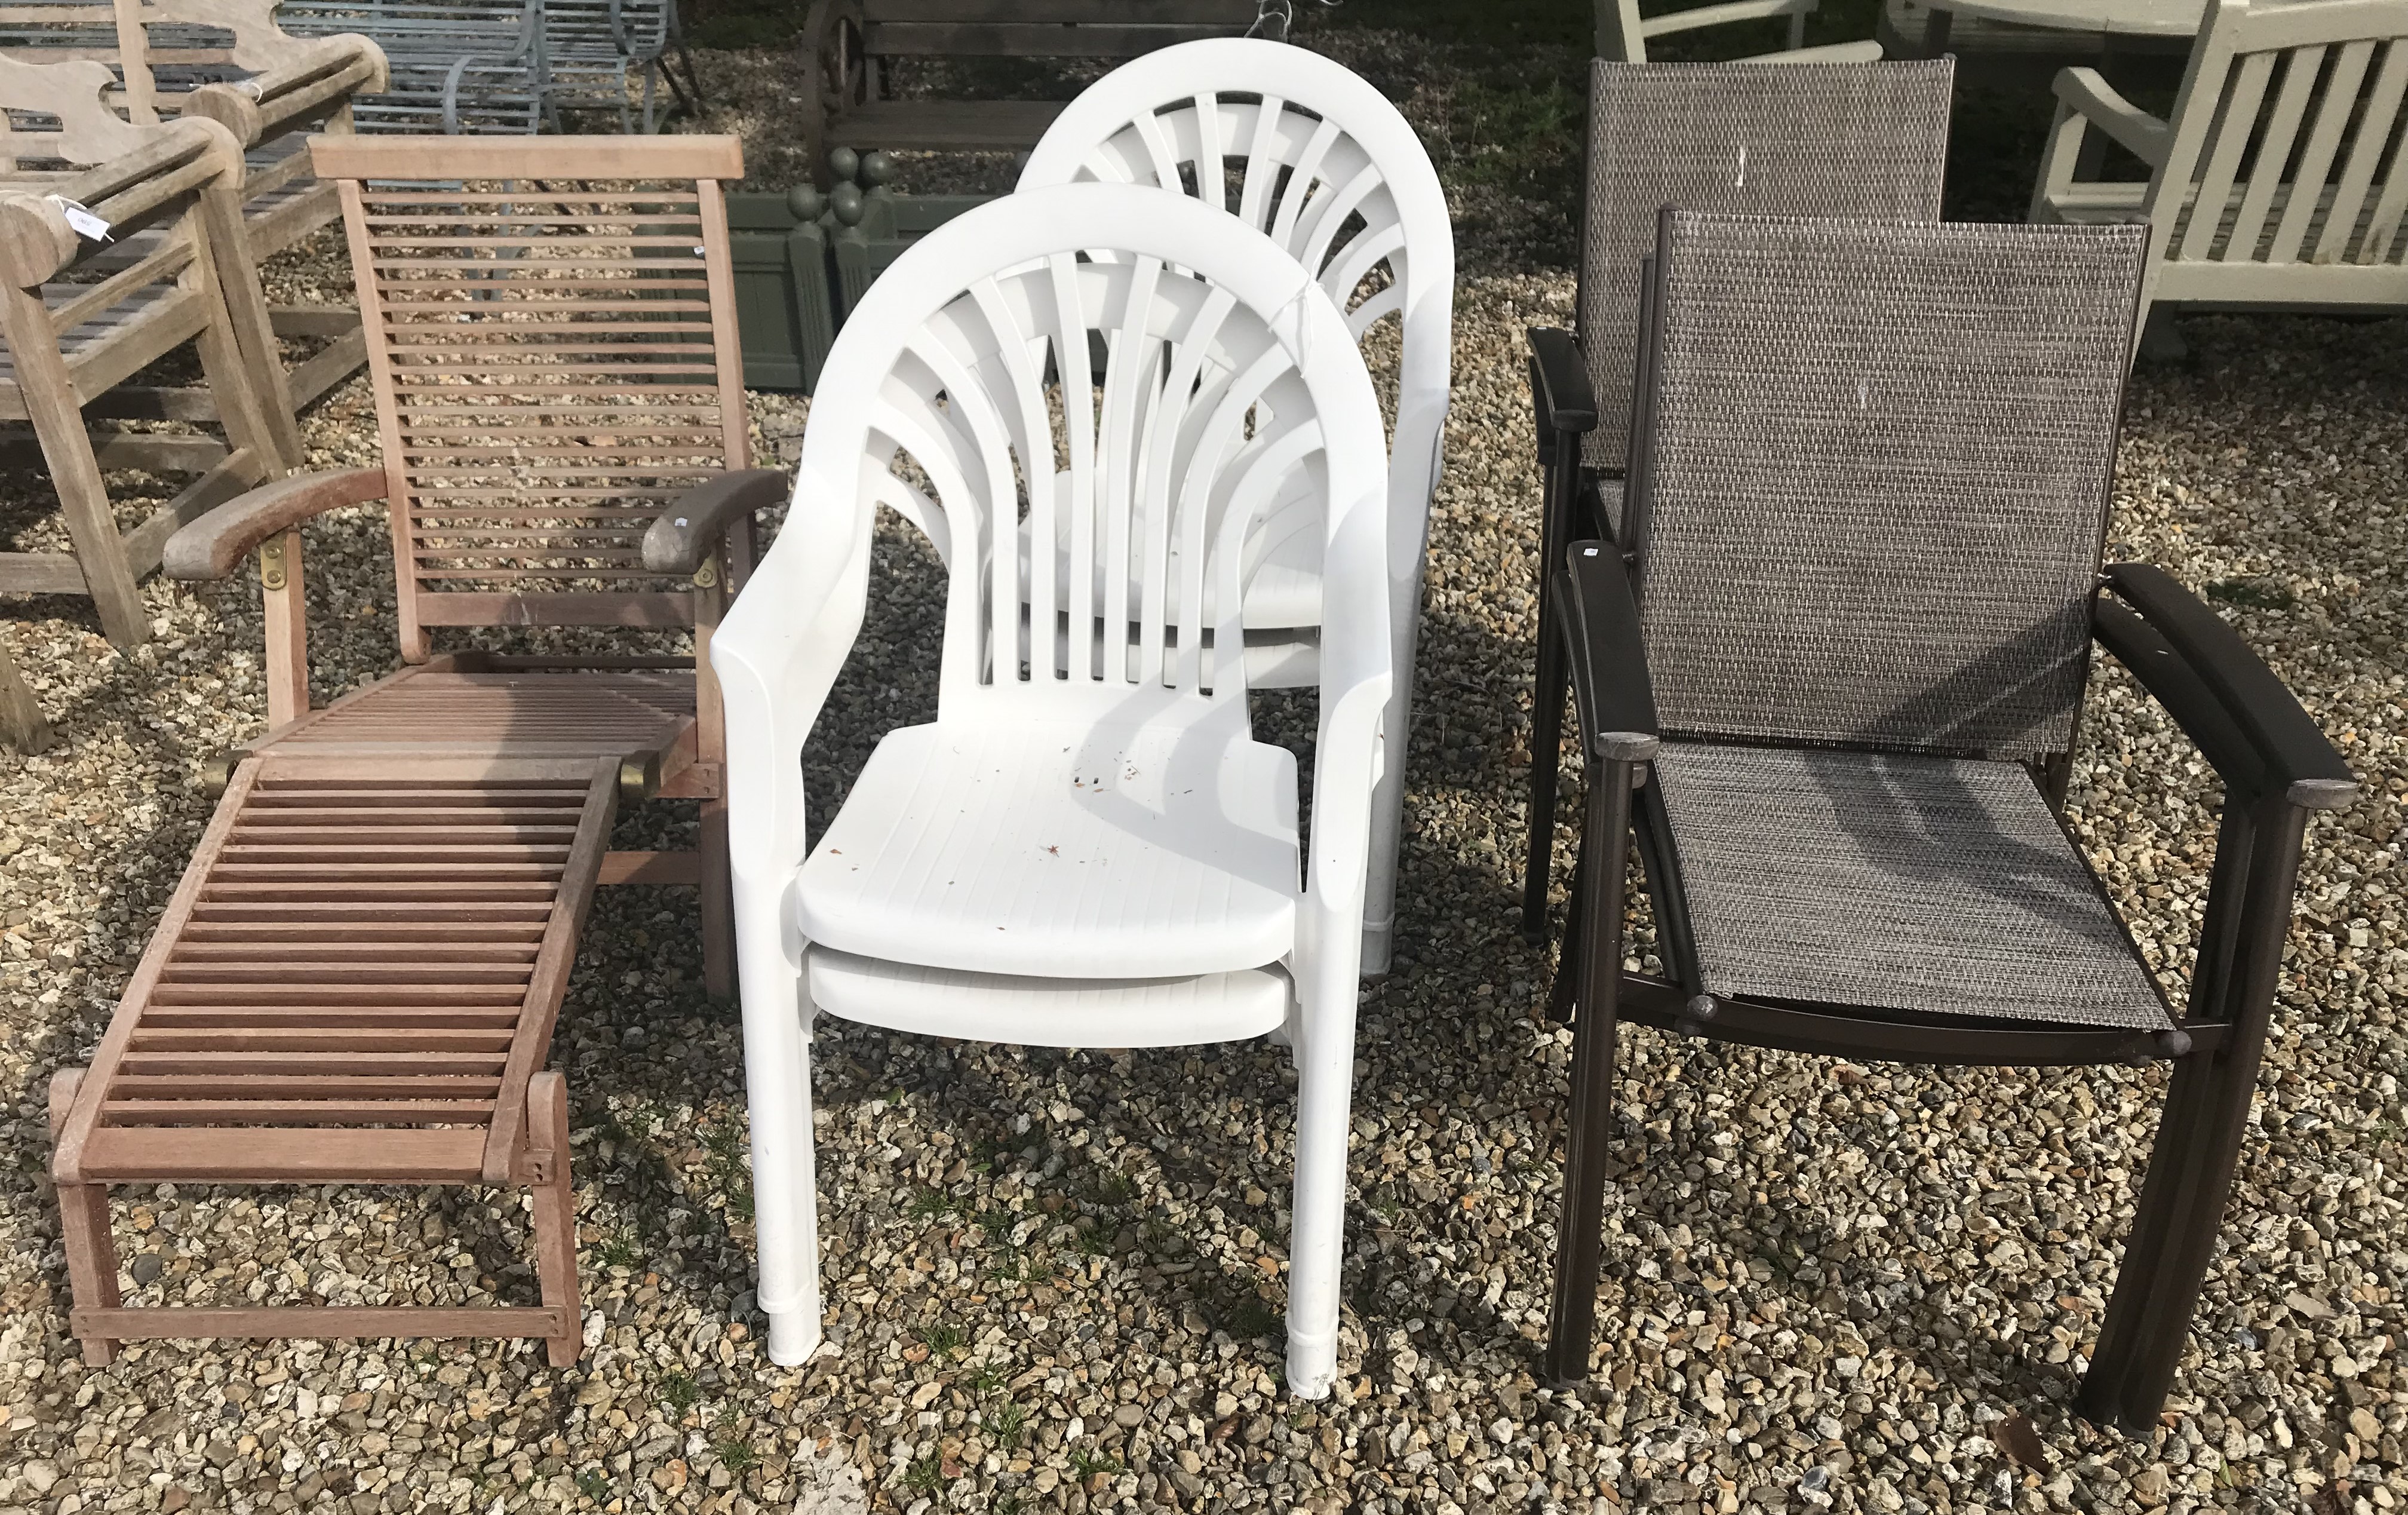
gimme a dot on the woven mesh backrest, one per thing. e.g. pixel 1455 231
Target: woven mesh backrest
pixel 1863 141
pixel 1872 492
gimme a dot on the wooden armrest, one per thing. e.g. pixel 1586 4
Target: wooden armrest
pixel 2087 91
pixel 320 73
pixel 210 547
pixel 682 535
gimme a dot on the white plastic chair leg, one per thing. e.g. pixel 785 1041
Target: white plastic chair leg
pixel 1388 795
pixel 785 1193
pixel 1325 1087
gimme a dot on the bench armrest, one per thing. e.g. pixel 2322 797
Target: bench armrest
pixel 1608 660
pixel 684 534
pixel 213 547
pixel 2087 93
pixel 2250 704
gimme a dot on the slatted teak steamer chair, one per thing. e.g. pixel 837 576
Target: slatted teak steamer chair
pixel 357 979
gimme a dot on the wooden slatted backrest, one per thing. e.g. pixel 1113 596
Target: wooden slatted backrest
pixel 2290 127
pixel 551 334
pixel 1044 28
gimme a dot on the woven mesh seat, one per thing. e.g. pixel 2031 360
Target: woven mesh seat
pixel 1867 140
pixel 1895 882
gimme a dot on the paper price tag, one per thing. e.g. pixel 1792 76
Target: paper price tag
pixel 80 219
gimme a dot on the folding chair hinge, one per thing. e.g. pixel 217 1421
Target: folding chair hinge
pixel 271 562
pixel 706 576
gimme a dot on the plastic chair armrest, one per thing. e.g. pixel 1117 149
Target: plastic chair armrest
pixel 683 534
pixel 1607 660
pixel 212 546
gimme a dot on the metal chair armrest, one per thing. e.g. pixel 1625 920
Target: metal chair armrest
pixel 2254 715
pixel 1559 387
pixel 1611 689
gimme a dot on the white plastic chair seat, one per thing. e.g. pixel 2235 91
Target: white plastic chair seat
pixel 1053 851
pixel 1049 1011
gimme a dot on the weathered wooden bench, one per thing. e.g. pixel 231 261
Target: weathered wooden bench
pixel 847 99
pixel 227 61
pixel 357 979
pixel 79 316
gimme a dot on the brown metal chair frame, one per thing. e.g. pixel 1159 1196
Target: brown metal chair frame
pixel 286 1024
pixel 2277 768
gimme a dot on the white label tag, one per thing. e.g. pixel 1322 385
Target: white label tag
pixel 80 219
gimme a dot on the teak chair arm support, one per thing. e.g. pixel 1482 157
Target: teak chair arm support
pixel 213 547
pixel 684 535
pixel 322 73
pixel 2260 719
pixel 1561 397
pixel 2086 93
pixel 1607 658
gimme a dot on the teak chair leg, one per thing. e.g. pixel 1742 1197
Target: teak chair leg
pixel 1572 1318
pixel 718 905
pixel 555 1213
pixel 83 1228
pixel 21 718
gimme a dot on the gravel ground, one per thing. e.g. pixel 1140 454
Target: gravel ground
pixel 1055 1278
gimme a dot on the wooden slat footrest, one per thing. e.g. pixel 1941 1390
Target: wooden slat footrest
pixel 326 1322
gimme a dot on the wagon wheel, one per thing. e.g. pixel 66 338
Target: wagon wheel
pixel 838 79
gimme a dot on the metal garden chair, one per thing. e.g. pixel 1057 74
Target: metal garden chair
pixel 2277 180
pixel 1087 847
pixel 463 67
pixel 592 47
pixel 1829 679
pixel 1335 175
pixel 1867 139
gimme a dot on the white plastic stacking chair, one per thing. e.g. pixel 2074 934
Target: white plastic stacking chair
pixel 1303 147
pixel 1089 801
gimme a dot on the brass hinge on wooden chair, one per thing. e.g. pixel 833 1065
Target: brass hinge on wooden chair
pixel 271 562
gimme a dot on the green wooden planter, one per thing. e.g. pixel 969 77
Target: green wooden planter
pixel 784 314
pixel 803 259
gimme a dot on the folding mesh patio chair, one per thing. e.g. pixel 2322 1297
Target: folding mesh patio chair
pixel 1866 140
pixel 1831 674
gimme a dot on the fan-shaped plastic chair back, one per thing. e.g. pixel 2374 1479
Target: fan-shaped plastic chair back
pixel 1306 151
